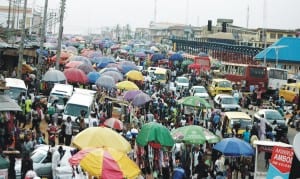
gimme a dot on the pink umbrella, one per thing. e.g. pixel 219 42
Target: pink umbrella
pixel 73 64
pixel 75 75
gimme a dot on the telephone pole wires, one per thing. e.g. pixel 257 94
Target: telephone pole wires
pixel 42 39
pixel 60 32
pixel 21 48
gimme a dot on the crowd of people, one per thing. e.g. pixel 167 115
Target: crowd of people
pixel 38 124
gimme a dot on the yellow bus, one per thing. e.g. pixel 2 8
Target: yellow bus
pixel 289 91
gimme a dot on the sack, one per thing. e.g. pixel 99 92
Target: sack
pixel 51 110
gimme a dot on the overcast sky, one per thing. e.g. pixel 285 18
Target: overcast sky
pixel 83 16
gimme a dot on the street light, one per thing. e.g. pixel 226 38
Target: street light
pixel 276 48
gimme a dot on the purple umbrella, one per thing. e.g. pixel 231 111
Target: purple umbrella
pixel 82 59
pixel 141 99
pixel 86 68
pixel 129 95
pixel 140 54
pixel 106 82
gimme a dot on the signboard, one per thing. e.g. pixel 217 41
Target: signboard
pixel 280 163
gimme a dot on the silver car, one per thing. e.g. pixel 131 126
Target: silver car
pixel 226 102
pixel 42 165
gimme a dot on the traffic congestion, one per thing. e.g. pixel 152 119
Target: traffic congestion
pixel 114 109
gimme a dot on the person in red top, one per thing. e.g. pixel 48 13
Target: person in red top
pixel 52 130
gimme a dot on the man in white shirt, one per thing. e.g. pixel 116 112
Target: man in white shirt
pixel 69 131
pixel 93 121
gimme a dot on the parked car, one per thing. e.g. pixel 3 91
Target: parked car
pixel 226 102
pixel 231 119
pixel 42 164
pixel 199 91
pixel 181 82
pixel 271 116
pixel 220 86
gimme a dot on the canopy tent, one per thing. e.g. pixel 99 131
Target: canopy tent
pixel 7 104
pixel 287 51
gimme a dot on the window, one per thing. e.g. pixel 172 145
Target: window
pixel 257 72
pixel 279 36
pixel 273 36
pixel 278 74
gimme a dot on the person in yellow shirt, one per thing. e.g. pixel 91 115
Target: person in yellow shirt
pixel 28 105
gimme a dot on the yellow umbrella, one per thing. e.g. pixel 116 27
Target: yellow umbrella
pixel 127 85
pixel 135 75
pixel 106 163
pixel 101 137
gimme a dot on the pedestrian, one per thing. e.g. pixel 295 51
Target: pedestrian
pixel 258 97
pixel 68 131
pixel 56 157
pixel 179 172
pixel 246 135
pixel 52 130
pixel 26 165
pixel 62 134
pixel 93 121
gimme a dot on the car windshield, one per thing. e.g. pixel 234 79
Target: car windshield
pixel 74 110
pixel 228 101
pixel 200 90
pixel 243 122
pixel 183 80
pixel 225 84
pixel 14 93
pixel 38 156
pixel 160 76
pixel 58 97
pixel 273 115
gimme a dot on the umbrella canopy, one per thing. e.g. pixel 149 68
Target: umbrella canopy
pixel 234 147
pixel 7 104
pixel 42 52
pixel 193 134
pixel 73 64
pixel 63 56
pixel 127 86
pixel 126 66
pixel 81 58
pixel 109 69
pixel 53 75
pixel 75 75
pixel 117 76
pixel 135 75
pixel 104 62
pixel 129 95
pixel 141 99
pixel 105 163
pixel 99 137
pixel 187 62
pixel 194 101
pixel 86 68
pixel 140 54
pixel 72 50
pixel 157 56
pixel 114 123
pixel 107 82
pixel 93 76
pixel 154 132
pixel 94 54
pixel 176 57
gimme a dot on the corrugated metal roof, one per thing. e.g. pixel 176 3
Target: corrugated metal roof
pixel 288 53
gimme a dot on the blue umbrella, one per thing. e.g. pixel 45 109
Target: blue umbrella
pixel 149 51
pixel 93 76
pixel 157 56
pixel 104 62
pixel 141 99
pixel 109 69
pixel 176 57
pixel 234 147
pixel 140 54
pixel 117 76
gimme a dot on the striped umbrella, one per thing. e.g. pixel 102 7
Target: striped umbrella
pixel 105 163
pixel 114 123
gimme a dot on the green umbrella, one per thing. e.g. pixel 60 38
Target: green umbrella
pixel 4 164
pixel 186 62
pixel 193 134
pixel 154 132
pixel 194 101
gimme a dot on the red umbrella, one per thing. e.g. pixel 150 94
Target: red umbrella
pixel 63 56
pixel 73 64
pixel 194 66
pixel 114 123
pixel 75 75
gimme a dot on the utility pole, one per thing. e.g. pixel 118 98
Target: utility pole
pixel 8 18
pixel 21 48
pixel 60 32
pixel 42 39
pixel 265 31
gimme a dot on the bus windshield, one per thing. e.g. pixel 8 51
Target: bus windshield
pixel 74 110
pixel 257 72
pixel 278 74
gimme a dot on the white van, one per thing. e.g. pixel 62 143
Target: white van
pixel 60 92
pixel 16 87
pixel 80 100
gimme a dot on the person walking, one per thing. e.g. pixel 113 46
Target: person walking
pixel 68 131
pixel 26 165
